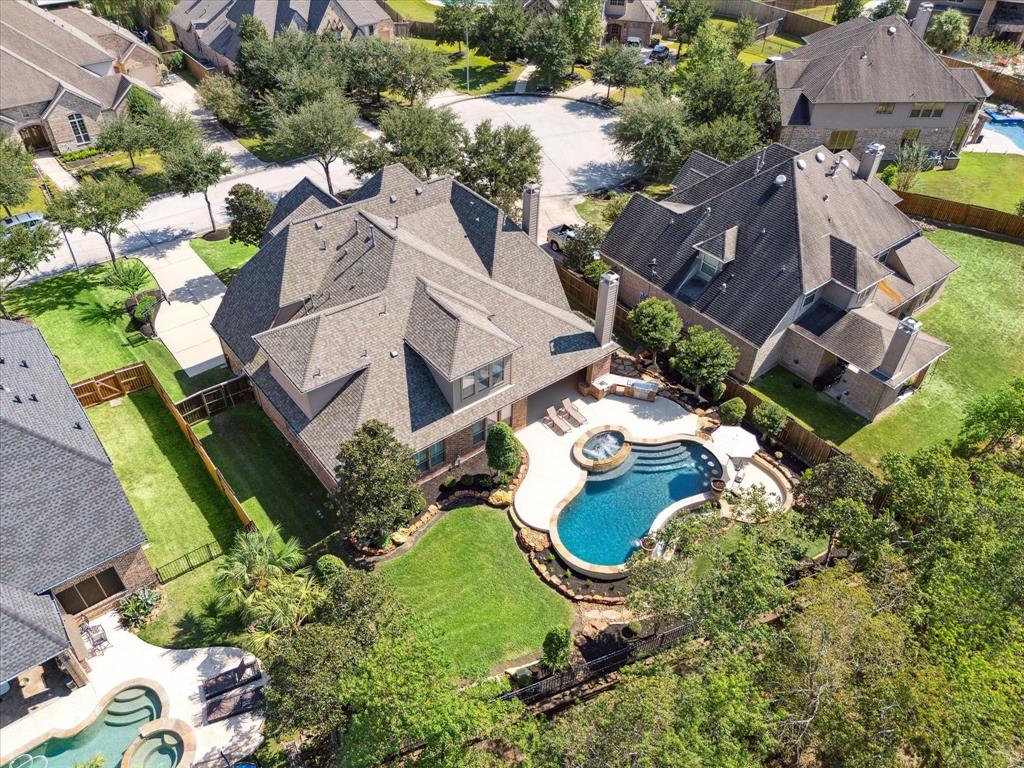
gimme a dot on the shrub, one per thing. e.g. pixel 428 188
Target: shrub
pixel 328 566
pixel 732 411
pixel 655 324
pixel 888 174
pixel 486 482
pixel 633 627
pixel 448 482
pixel 717 390
pixel 81 154
pixel 135 609
pixel 593 270
pixel 557 649
pixel 769 418
pixel 128 275
pixel 500 499
pixel 144 309
pixel 467 480
pixel 503 449
pixel 250 210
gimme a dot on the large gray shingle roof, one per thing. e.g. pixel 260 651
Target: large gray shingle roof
pixel 456 283
pixel 31 629
pixel 784 238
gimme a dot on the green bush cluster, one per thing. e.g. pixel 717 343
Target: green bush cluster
pixel 81 154
pixel 135 609
pixel 732 411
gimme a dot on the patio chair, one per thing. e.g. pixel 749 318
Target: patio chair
pixel 556 422
pixel 236 704
pixel 246 671
pixel 573 412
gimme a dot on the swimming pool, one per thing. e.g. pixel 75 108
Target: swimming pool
pixel 604 523
pixel 109 735
pixel 1013 131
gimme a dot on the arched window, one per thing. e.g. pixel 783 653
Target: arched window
pixel 78 126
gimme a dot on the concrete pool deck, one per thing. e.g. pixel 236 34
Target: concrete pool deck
pixel 131 661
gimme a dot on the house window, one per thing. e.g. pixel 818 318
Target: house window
pixel 88 592
pixel 78 126
pixel 468 385
pixel 909 136
pixel 497 373
pixel 479 431
pixel 809 299
pixel 431 458
pixel 483 379
pixel 885 108
pixel 709 266
pixel 840 140
pixel 926 109
pixel 616 2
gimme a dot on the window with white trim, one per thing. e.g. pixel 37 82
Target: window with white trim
pixel 809 298
pixel 927 109
pixel 78 126
pixel 709 266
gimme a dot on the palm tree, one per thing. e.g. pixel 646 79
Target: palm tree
pixel 255 558
pixel 287 601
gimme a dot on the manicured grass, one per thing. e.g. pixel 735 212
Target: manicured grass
pixel 468 580
pixel 224 257
pixel 175 499
pixel 822 13
pixel 150 166
pixel 257 144
pixel 84 323
pixel 265 473
pixel 981 178
pixel 592 208
pixel 814 410
pixel 485 74
pixel 36 199
pixel 981 315
pixel 414 10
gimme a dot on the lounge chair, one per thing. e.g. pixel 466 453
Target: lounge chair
pixel 228 706
pixel 246 671
pixel 556 422
pixel 573 412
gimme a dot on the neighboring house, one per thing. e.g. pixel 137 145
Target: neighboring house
pixel 1004 19
pixel 208 29
pixel 872 81
pixel 417 303
pixel 71 544
pixel 630 18
pixel 60 75
pixel 801 259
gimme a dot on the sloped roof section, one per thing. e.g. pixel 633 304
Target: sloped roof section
pixel 32 630
pixel 852 268
pixel 697 167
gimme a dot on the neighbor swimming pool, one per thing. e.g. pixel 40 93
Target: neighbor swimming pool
pixel 604 523
pixel 109 735
pixel 1013 131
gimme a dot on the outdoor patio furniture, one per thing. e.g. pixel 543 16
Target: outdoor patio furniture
pixel 224 707
pixel 556 422
pixel 573 412
pixel 95 637
pixel 246 671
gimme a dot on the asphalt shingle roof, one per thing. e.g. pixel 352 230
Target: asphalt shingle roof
pixel 697 167
pixel 31 628
pixel 455 283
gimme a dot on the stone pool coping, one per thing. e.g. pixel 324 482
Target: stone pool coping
pixel 173 725
pixel 89 718
pixel 602 465
pixel 691 502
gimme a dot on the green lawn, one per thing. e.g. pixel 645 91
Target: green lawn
pixel 150 175
pixel 257 144
pixel 36 199
pixel 981 314
pixel 468 580
pixel 981 178
pixel 591 210
pixel 265 473
pixel 224 257
pixel 821 12
pixel 84 323
pixel 414 10
pixel 485 75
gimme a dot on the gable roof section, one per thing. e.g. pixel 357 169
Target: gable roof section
pixel 51 32
pixel 731 175
pixel 114 39
pixel 32 630
pixel 64 510
pixel 697 167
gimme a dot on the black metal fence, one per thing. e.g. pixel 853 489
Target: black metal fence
pixel 179 566
pixel 579 674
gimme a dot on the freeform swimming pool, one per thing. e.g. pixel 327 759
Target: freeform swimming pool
pixel 604 523
pixel 109 735
pixel 1013 131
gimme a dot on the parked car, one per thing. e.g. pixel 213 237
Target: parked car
pixel 558 235
pixel 30 219
pixel 659 53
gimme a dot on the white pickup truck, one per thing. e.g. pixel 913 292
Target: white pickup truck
pixel 559 234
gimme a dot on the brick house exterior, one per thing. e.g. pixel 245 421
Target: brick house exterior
pixel 629 18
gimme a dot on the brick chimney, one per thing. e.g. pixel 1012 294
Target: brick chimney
pixel 607 296
pixel 922 18
pixel 531 210
pixel 899 347
pixel 870 160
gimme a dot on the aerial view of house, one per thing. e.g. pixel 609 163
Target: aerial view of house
pixel 563 383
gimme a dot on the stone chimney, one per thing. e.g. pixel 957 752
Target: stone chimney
pixel 607 296
pixel 922 18
pixel 870 160
pixel 900 346
pixel 531 210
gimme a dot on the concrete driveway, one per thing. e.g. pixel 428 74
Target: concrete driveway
pixel 577 154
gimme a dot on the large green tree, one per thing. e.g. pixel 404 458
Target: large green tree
pixel 498 162
pixel 579 250
pixel 685 17
pixel 250 211
pixel 137 14
pixel 618 66
pixel 421 72
pixel 325 128
pixel 501 30
pixel 655 324
pixel 22 249
pixel 373 65
pixel 103 207
pixel 996 420
pixel 704 357
pixel 427 141
pixel 124 134
pixel 193 168
pixel 224 97
pixel 889 8
pixel 836 500
pixel 847 10
pixel 582 22
pixel 16 173
pixel 548 47
pixel 376 491
pixel 255 65
pixel 454 22
pixel 651 134
pixel 948 31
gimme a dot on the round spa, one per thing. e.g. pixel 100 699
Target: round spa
pixel 602 449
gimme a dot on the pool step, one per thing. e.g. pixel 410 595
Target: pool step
pixel 665 458
pixel 611 474
pixel 128 707
pixel 140 715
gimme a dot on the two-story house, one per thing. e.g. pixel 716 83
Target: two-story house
pixel 1003 19
pixel 870 81
pixel 630 19
pixel 208 29
pixel 416 303
pixel 801 260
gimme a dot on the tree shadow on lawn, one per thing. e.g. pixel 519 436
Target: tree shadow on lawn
pixel 208 624
pixel 61 292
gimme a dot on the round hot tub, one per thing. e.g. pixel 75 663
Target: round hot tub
pixel 602 449
pixel 603 445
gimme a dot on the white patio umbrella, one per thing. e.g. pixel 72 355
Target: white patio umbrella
pixel 736 442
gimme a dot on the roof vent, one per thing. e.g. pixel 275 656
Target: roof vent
pixel 863 55
pixel 780 180
pixel 394 353
pixel 845 162
pixel 419 190
pixel 801 164
pixel 77 425
pixel 891 31
pixel 824 197
pixel 33 398
pixel 318 224
pixel 393 199
pixel 1 360
pixel 707 211
pixel 24 363
pixel 17 398
pixel 396 222
pixel 323 245
pixel 723 287
pixel 820 157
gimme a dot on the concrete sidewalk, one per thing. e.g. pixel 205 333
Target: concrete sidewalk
pixel 194 294
pixel 47 165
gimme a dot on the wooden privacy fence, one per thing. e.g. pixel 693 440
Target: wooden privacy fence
pixel 584 294
pixel 133 378
pixel 962 214
pixel 205 403
pixel 1004 87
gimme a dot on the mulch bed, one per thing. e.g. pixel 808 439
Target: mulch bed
pixel 583 586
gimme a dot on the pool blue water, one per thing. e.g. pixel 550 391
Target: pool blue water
pixel 1014 133
pixel 603 525
pixel 108 735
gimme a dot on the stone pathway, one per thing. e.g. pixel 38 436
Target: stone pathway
pixel 194 294
pixel 47 165
pixel 524 78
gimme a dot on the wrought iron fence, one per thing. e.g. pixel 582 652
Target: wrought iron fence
pixel 179 566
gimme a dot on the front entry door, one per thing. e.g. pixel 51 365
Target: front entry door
pixel 34 137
